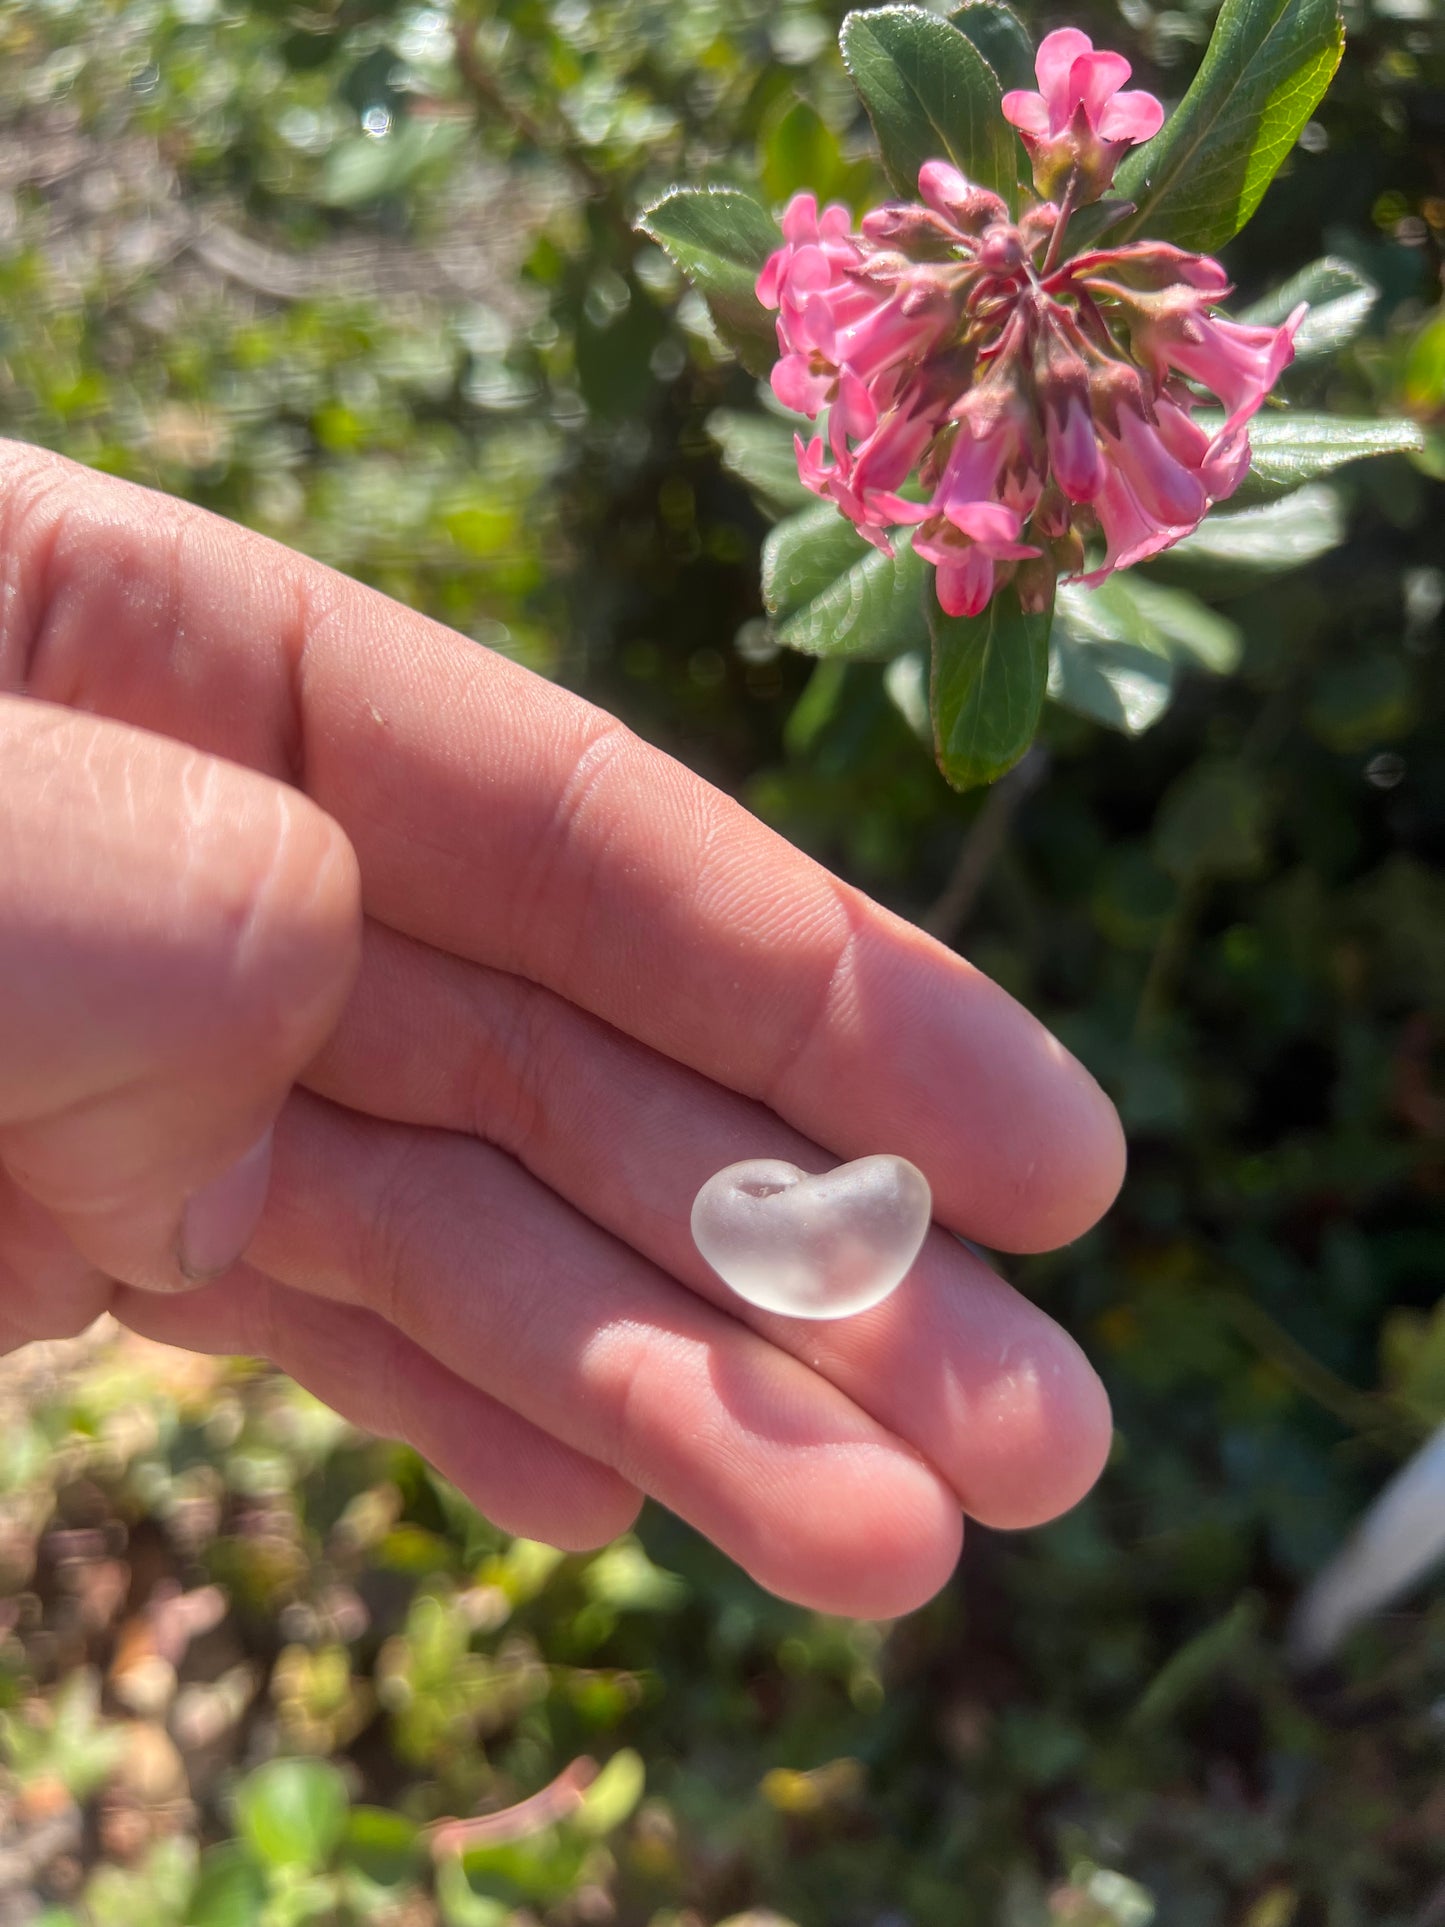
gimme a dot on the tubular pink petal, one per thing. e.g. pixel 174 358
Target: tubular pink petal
pixel 965 583
pixel 1074 457
pixel 1164 487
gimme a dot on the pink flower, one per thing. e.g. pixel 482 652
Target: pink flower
pixel 1039 400
pixel 804 228
pixel 1131 533
pixel 833 315
pixel 995 453
pixel 1235 361
pixel 966 544
pixel 1079 123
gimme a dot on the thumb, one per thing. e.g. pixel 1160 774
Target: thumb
pixel 177 937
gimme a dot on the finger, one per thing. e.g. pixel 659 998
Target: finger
pixel 452 1243
pixel 501 818
pixel 522 1479
pixel 968 1371
pixel 177 935
pixel 47 1289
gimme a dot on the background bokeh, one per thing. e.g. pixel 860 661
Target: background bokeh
pixel 364 276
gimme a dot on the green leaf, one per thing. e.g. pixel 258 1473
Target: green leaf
pixel 930 95
pixel 1287 450
pixel 1002 38
pixel 1114 650
pixel 1119 684
pixel 230 1890
pixel 989 676
pixel 1423 379
pixel 1107 661
pixel 1260 542
pixel 758 449
pixel 832 594
pixel 363 169
pixel 1267 67
pixel 612 1795
pixel 720 238
pixel 384 1845
pixel 797 150
pixel 1187 627
pixel 292 1813
pixel 1340 300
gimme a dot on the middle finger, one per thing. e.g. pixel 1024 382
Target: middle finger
pixel 976 1377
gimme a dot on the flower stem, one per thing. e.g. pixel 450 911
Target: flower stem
pixel 1066 211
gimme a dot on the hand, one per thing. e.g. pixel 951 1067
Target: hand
pixel 508 984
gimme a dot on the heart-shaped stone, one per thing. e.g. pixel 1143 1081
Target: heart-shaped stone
pixel 813 1247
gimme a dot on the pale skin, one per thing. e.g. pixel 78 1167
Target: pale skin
pixel 510 984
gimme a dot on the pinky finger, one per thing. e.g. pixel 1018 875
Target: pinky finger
pixel 517 1475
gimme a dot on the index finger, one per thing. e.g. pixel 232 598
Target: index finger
pixel 498 817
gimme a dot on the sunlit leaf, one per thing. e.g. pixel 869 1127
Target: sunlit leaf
pixel 930 96
pixel 292 1813
pixel 721 238
pixel 1203 174
pixel 1340 301
pixel 832 594
pixel 1288 449
pixel 612 1796
pixel 1253 543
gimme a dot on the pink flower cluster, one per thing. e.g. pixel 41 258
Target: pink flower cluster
pixel 1008 402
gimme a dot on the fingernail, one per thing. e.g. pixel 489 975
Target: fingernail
pixel 220 1220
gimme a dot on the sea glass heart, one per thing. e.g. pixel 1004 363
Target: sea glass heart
pixel 813 1247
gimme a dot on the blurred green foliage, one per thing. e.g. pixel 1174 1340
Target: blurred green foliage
pixel 365 276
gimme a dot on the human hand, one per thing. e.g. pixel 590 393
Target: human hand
pixel 509 984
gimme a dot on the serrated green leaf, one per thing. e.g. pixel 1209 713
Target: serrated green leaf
pixel 930 95
pixel 1260 542
pixel 720 238
pixel 1266 69
pixel 1002 38
pixel 1288 450
pixel 989 676
pixel 1340 300
pixel 758 449
pixel 832 594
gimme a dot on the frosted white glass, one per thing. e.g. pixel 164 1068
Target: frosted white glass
pixel 813 1246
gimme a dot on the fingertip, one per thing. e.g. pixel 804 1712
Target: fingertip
pixel 878 1537
pixel 1079 1167
pixel 1040 1432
